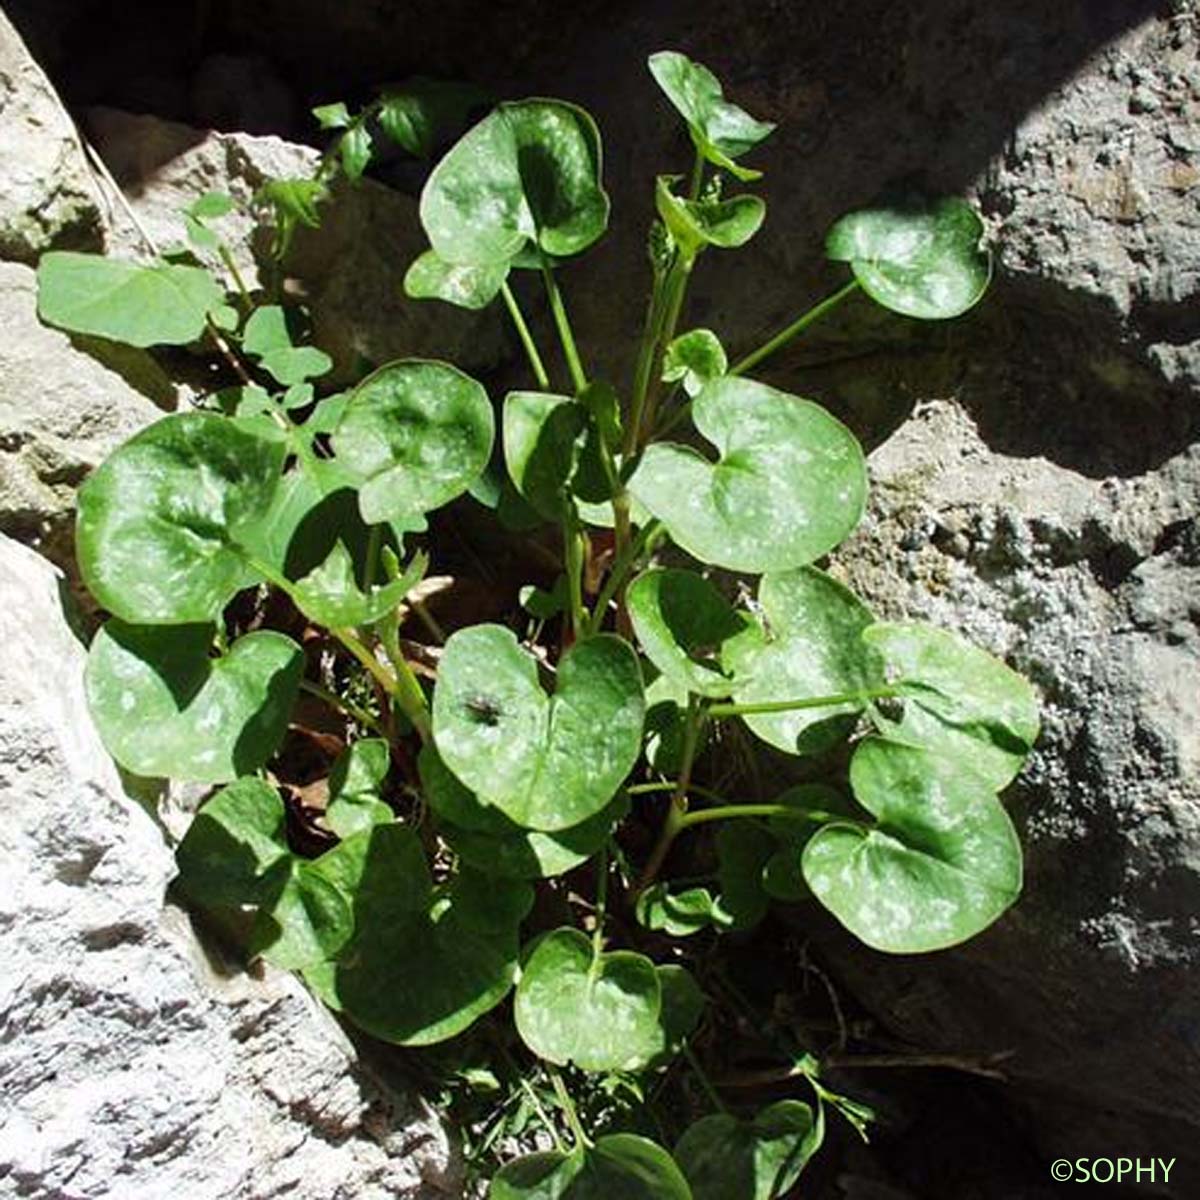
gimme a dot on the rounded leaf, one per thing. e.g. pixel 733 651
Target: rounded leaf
pixel 922 260
pixel 157 534
pixel 806 643
pixel 958 699
pixel 620 1165
pixel 416 433
pixel 942 864
pixel 164 708
pixel 161 304
pixel 528 172
pixel 354 786
pixel 431 277
pixel 600 1012
pixel 681 622
pixel 694 359
pixel 790 484
pixel 547 763
pixel 760 1159
pixel 541 446
pixel 677 913
pixel 694 224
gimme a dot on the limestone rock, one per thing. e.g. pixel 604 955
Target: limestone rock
pixel 49 199
pixel 349 272
pixel 133 1065
pixel 61 412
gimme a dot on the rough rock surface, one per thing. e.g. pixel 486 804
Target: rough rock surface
pixel 348 272
pixel 133 1065
pixel 61 412
pixel 49 199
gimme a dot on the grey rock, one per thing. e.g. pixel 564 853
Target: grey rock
pixel 348 272
pixel 62 411
pixel 133 1063
pixel 49 199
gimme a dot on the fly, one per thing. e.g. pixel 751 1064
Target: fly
pixel 484 710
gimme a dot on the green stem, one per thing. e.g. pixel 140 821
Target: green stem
pixel 697 180
pixel 531 350
pixel 727 812
pixel 601 903
pixel 627 556
pixel 351 709
pixel 645 361
pixel 371 566
pixel 232 267
pixel 798 326
pixel 777 706
pixel 641 789
pixel 568 1107
pixel 573 561
pixel 563 325
pixel 402 687
pixel 550 1125
pixel 676 290
pixel 705 1082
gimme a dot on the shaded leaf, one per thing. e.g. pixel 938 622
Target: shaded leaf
pixel 620 1165
pixel 422 112
pixel 354 788
pixel 694 224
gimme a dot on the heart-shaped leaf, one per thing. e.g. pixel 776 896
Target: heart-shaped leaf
pixel 941 865
pixel 759 1159
pixel 424 963
pixel 416 433
pixel 681 622
pixel 620 1165
pixel 162 304
pixel 791 481
pixel 806 643
pixel 164 708
pixel 721 130
pixel 546 762
pixel 431 277
pixel 268 338
pixel 678 913
pixel 235 853
pixel 694 359
pixel 330 595
pixel 682 1007
pixel 541 447
pixel 598 1011
pixel 958 699
pixel 694 224
pixel 484 838
pixel 922 260
pixel 354 786
pixel 159 520
pixel 744 848
pixel 527 173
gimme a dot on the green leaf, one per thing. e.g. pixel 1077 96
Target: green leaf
pixel 354 786
pixel 422 112
pixel 159 520
pixel 484 838
pixel 528 172
pixel 806 643
pixel 958 699
pixel 600 1012
pixel 547 763
pixel 199 235
pixel 620 1166
pixel 790 484
pixel 721 130
pixel 678 913
pixel 295 365
pixel 694 358
pixel 211 206
pixel 682 1007
pixel 308 921
pixel 266 331
pixel 332 116
pixel 330 595
pixel 164 708
pixel 666 705
pixel 431 277
pixel 943 863
pixel 782 878
pixel 759 1159
pixel 541 448
pixel 354 148
pixel 694 224
pixel 743 850
pixel 225 317
pixel 232 846
pixel 681 622
pixel 416 433
pixel 296 201
pixel 424 963
pixel 161 304
pixel 922 259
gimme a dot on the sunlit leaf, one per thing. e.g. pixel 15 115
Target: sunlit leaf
pixel 431 277
pixel 619 1166
pixel 694 359
pixel 694 224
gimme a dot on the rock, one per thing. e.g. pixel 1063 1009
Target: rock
pixel 61 412
pixel 49 198
pixel 349 272
pixel 135 1064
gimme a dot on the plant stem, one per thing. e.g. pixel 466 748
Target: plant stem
pixel 627 555
pixel 601 902
pixel 568 1107
pixel 371 566
pixel 705 1082
pixel 697 180
pixel 777 706
pixel 351 709
pixel 232 267
pixel 531 350
pixel 727 812
pixel 675 289
pixel 402 687
pixel 798 326
pixel 551 1125
pixel 563 325
pixel 645 363
pixel 677 812
pixel 639 789
pixel 573 561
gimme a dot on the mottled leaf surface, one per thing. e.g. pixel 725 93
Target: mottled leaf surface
pixel 431 277
pixel 619 1165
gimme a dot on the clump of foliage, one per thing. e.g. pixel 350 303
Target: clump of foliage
pixel 522 763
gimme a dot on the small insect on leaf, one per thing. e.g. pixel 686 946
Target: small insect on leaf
pixel 484 710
